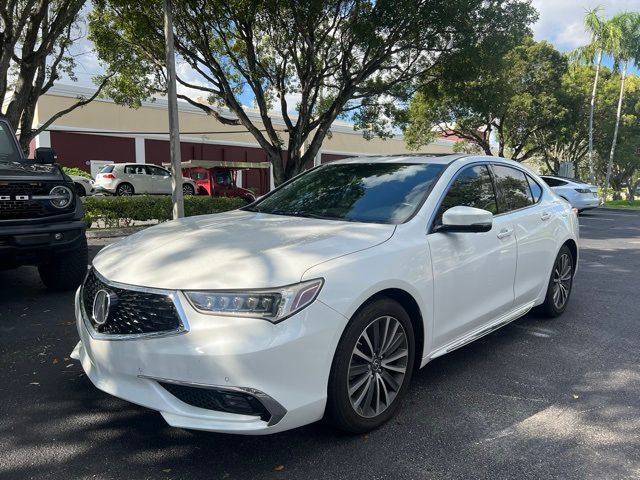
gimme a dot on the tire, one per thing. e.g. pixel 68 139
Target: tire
pixel 552 306
pixel 354 383
pixel 188 190
pixel 66 272
pixel 80 190
pixel 125 190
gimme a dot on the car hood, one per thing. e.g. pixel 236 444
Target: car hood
pixel 29 169
pixel 236 249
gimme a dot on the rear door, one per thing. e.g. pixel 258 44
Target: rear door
pixel 473 272
pixel 138 176
pixel 160 180
pixel 520 200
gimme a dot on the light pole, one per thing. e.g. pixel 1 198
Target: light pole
pixel 177 197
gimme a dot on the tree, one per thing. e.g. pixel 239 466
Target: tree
pixel 335 57
pixel 501 105
pixel 603 37
pixel 625 50
pixel 35 36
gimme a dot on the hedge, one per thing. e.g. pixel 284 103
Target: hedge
pixel 110 212
pixel 76 171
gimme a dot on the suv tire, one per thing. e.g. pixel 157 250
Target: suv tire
pixel 66 272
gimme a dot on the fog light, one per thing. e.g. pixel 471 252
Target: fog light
pixel 58 236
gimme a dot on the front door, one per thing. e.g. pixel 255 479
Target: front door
pixel 160 179
pixel 473 272
pixel 138 176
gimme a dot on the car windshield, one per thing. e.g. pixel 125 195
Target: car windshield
pixel 8 150
pixel 355 192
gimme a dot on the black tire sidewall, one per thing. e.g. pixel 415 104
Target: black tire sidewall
pixel 548 305
pixel 339 410
pixel 66 272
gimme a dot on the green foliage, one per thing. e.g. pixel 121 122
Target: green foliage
pixel 336 57
pixel 513 96
pixel 635 204
pixel 76 171
pixel 112 212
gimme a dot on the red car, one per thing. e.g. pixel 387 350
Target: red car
pixel 218 178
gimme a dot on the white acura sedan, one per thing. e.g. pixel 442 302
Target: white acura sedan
pixel 322 298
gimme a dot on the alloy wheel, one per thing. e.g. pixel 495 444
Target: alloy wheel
pixel 378 366
pixel 562 273
pixel 125 190
pixel 187 190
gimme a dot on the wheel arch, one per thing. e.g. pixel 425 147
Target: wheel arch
pixel 573 248
pixel 412 307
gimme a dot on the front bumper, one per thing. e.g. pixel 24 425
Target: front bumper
pixel 37 244
pixel 285 366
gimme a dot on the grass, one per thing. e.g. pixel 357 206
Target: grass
pixel 635 205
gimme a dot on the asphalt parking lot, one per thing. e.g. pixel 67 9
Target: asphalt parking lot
pixel 536 399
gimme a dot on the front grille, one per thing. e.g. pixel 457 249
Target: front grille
pixel 13 209
pixel 219 400
pixel 131 312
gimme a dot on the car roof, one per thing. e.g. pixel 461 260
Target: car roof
pixel 443 159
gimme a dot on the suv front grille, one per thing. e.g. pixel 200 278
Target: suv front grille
pixel 11 208
pixel 131 311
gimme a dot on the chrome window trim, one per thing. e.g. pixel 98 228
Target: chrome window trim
pixel 274 408
pixel 172 294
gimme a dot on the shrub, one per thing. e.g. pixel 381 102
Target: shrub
pixel 123 211
pixel 76 171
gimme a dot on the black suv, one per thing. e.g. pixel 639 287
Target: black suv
pixel 40 215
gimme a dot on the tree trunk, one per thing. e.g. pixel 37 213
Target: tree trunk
pixel 615 131
pixel 592 107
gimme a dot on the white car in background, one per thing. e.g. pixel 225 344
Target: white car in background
pixel 581 195
pixel 322 297
pixel 84 185
pixel 125 179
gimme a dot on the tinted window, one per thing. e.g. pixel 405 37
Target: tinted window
pixel 224 178
pixel 536 190
pixel 553 182
pixel 106 169
pixel 8 150
pixel 471 188
pixel 158 171
pixel 358 192
pixel 513 188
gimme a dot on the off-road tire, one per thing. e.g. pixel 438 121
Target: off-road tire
pixel 66 272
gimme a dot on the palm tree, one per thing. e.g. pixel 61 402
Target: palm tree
pixel 625 48
pixel 602 36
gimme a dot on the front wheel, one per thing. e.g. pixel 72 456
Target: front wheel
pixel 66 272
pixel 560 283
pixel 371 368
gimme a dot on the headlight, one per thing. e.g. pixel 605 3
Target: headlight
pixel 60 196
pixel 269 304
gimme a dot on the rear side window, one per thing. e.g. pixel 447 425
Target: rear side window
pixel 553 182
pixel 513 189
pixel 135 170
pixel 471 188
pixel 536 189
pixel 106 169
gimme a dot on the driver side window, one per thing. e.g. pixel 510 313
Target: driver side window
pixel 472 187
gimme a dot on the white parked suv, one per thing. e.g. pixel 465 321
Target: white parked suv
pixel 134 178
pixel 581 195
pixel 322 297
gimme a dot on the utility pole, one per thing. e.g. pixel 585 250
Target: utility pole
pixel 177 196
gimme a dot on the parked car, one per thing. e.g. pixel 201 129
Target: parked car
pixel 83 185
pixel 40 215
pixel 581 195
pixel 322 297
pixel 126 179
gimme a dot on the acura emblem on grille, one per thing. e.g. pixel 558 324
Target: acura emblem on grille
pixel 102 302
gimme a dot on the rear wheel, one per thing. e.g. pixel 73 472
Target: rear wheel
pixel 66 272
pixel 371 368
pixel 560 283
pixel 125 190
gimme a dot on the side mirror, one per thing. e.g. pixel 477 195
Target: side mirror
pixel 46 156
pixel 466 219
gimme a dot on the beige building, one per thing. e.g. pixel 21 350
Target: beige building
pixel 105 132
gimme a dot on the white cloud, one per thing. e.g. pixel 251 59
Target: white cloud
pixel 561 24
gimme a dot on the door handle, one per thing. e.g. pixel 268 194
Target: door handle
pixel 545 216
pixel 505 232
